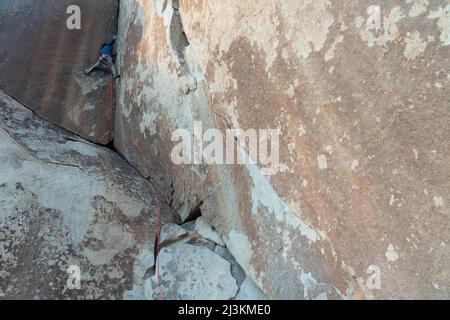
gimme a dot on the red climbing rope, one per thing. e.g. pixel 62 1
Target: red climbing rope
pixel 112 97
pixel 158 210
pixel 158 280
pixel 111 91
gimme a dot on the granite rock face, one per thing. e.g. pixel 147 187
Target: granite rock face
pixel 360 92
pixel 43 61
pixel 65 202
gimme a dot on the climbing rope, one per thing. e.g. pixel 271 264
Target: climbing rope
pixel 158 207
pixel 158 238
pixel 113 109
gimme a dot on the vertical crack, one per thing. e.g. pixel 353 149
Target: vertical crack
pixel 179 42
pixel 178 38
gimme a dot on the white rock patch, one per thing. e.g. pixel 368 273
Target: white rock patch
pixel 391 254
pixel 414 46
pixel 322 161
pixel 443 16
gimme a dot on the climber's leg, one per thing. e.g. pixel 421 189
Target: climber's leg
pixel 112 66
pixel 96 65
pixel 114 71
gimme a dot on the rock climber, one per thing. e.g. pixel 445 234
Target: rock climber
pixel 106 59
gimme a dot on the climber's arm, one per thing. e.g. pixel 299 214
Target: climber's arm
pixel 113 41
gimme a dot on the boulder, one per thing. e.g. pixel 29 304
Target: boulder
pixel 43 62
pixel 192 266
pixel 67 205
pixel 189 272
pixel 206 231
pixel 171 233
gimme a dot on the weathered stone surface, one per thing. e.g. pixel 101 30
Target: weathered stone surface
pixel 206 231
pixel 360 92
pixel 190 272
pixel 171 233
pixel 250 291
pixel 190 226
pixel 236 270
pixel 43 61
pixel 182 274
pixel 63 202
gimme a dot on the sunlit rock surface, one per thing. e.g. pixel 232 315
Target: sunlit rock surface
pixel 360 92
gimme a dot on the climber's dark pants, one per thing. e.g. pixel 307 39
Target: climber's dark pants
pixel 107 62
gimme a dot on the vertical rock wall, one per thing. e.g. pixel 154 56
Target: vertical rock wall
pixel 361 94
pixel 42 62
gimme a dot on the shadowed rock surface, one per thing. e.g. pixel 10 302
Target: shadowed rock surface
pixel 42 62
pixel 361 94
pixel 63 202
